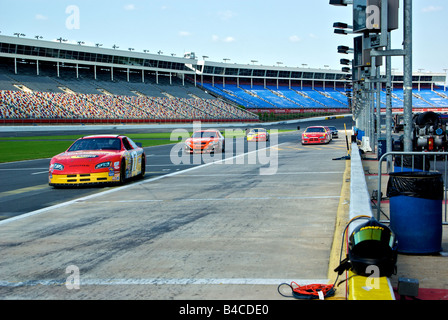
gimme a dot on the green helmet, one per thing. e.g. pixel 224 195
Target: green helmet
pixel 373 244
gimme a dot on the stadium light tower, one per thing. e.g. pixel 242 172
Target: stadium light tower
pixel 115 47
pixel 342 28
pixel 98 45
pixel 341 2
pixel 60 39
pixel 226 59
pixel 18 34
pixel 345 50
pixel 80 42
pixel 38 37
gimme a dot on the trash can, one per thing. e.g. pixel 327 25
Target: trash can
pixel 360 135
pixel 416 211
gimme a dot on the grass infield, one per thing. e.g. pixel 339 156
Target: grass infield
pixel 41 147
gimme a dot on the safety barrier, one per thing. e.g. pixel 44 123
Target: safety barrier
pixel 361 287
pixel 439 163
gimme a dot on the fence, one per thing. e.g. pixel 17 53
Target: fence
pixel 428 161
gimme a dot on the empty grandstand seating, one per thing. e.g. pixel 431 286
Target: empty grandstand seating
pixel 42 97
pixel 28 96
pixel 48 105
pixel 281 97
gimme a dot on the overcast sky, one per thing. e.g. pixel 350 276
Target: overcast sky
pixel 292 32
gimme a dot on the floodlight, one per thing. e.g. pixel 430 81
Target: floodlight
pixel 341 2
pixel 344 49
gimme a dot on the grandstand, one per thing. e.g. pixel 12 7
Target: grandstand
pixel 48 82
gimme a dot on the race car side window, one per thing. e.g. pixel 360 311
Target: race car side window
pixel 133 144
pixel 126 144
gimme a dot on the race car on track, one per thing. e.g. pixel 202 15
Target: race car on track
pixel 258 134
pixel 334 131
pixel 316 134
pixel 207 141
pixel 98 159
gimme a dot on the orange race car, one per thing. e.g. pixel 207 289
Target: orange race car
pixel 316 134
pixel 97 159
pixel 209 141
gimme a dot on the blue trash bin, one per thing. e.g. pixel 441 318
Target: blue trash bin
pixel 416 211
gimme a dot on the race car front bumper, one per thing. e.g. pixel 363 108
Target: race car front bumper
pixel 82 178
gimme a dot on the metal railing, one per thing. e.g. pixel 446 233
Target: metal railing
pixel 439 163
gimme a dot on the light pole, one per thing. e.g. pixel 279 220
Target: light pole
pixel 407 76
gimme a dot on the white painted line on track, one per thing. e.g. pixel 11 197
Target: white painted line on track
pixel 254 174
pixel 160 281
pixel 42 172
pixel 64 204
pixel 221 199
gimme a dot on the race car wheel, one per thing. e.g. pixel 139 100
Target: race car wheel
pixel 122 171
pixel 143 169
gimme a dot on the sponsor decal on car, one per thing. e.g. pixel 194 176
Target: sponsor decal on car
pixel 84 156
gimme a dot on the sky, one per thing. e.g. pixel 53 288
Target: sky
pixel 292 33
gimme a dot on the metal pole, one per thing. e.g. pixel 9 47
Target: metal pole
pixel 378 103
pixel 389 103
pixel 407 76
pixel 372 116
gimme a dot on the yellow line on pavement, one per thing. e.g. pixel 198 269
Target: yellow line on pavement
pixel 23 190
pixel 342 218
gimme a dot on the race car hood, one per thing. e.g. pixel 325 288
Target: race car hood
pixel 314 134
pixel 200 140
pixel 257 134
pixel 85 156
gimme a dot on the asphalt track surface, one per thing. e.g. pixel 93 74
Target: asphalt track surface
pixel 25 183
pixel 230 229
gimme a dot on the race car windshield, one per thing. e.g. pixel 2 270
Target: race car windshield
pixel 96 144
pixel 315 130
pixel 204 134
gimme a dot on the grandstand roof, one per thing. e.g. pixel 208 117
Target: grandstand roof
pixel 42 50
pixel 23 48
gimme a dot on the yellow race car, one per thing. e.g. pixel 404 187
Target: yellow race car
pixel 257 134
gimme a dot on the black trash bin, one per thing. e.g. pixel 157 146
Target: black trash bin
pixel 416 211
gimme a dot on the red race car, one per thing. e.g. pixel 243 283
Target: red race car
pixel 316 134
pixel 98 159
pixel 205 141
